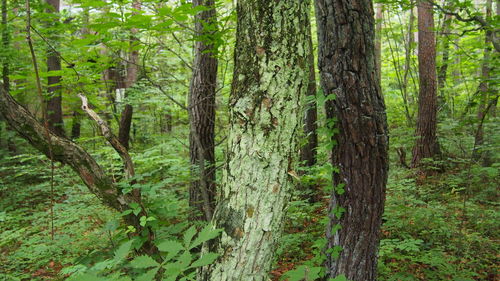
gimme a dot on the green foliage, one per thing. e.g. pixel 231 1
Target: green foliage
pixel 176 261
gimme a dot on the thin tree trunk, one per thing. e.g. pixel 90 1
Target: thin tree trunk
pixel 202 113
pixel 443 69
pixel 426 144
pixel 484 91
pixel 131 78
pixel 347 63
pixel 54 102
pixel 76 126
pixel 379 16
pixel 271 79
pixel 308 151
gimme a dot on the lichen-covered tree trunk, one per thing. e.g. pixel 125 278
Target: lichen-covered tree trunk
pixel 347 64
pixel 54 102
pixel 426 144
pixel 202 113
pixel 271 78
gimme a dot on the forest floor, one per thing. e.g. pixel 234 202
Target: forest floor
pixel 444 226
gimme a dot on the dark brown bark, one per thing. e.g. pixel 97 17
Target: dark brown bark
pixel 125 125
pixel 347 64
pixel 426 144
pixel 76 126
pixel 202 115
pixel 443 68
pixel 308 151
pixel 54 101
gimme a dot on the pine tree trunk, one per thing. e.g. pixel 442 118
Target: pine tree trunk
pixel 271 79
pixel 202 114
pixel 54 103
pixel 426 144
pixel 347 63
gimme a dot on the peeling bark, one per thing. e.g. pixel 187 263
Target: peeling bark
pixel 271 79
pixel 348 70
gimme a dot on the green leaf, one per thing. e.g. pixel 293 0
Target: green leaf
pixel 188 235
pixel 143 262
pixel 148 276
pixel 170 246
pixel 207 233
pixel 206 259
pixel 123 251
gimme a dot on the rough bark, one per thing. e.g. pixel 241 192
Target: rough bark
pixel 202 114
pixel 426 145
pixel 308 151
pixel 347 64
pixel 54 102
pixel 271 78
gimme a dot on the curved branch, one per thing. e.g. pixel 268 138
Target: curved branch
pixel 110 137
pixel 64 151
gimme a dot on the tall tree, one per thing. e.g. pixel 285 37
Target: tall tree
pixel 347 64
pixel 54 102
pixel 202 112
pixel 308 151
pixel 271 79
pixel 379 17
pixel 426 144
pixel 488 99
pixel 131 78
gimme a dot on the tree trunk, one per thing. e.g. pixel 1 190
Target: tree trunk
pixel 379 17
pixel 202 113
pixel 426 144
pixel 347 63
pixel 54 102
pixel 443 69
pixel 484 91
pixel 76 126
pixel 271 79
pixel 308 151
pixel 132 72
